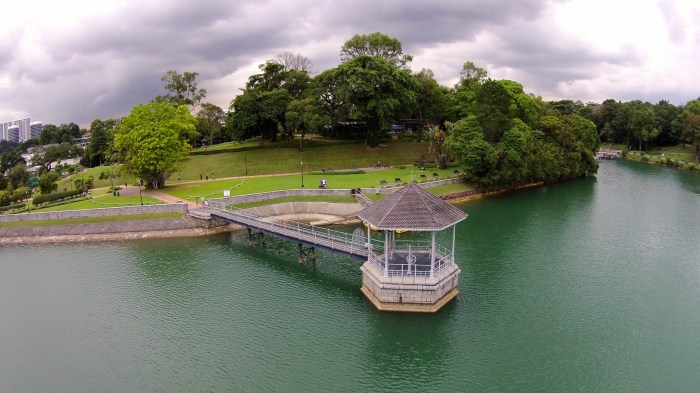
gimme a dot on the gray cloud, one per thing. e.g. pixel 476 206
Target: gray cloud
pixel 104 65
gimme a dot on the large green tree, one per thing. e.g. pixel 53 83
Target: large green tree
pixel 375 45
pixel 691 126
pixel 379 92
pixel 152 141
pixel 182 89
pixel 210 121
pixel 304 116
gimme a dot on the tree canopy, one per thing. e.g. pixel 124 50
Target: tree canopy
pixel 182 89
pixel 152 141
pixel 375 45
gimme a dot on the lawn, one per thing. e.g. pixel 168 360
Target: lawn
pixel 67 183
pixel 102 201
pixel 289 159
pixel 252 185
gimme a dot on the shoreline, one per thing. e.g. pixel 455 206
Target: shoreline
pixel 202 231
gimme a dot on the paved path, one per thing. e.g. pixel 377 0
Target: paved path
pixel 134 191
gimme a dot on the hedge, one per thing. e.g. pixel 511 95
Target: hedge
pixel 55 196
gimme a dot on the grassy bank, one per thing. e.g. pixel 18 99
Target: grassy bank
pixel 252 185
pixel 288 159
pixel 332 199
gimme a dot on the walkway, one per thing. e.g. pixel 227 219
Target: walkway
pixel 341 242
pixel 169 199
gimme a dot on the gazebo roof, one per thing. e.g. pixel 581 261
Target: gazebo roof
pixel 412 208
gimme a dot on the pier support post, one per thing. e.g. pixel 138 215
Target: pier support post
pixel 255 238
pixel 306 254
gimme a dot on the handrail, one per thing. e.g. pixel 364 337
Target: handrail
pixel 338 240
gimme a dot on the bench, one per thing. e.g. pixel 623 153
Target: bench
pixel 398 180
pixel 435 176
pixel 383 183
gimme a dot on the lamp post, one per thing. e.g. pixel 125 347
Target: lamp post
pixel 302 174
pixel 140 197
pixel 245 158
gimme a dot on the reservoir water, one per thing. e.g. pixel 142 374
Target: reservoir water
pixel 591 286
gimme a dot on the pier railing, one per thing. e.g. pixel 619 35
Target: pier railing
pixel 344 242
pixel 306 233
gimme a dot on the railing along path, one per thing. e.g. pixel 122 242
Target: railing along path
pixel 309 234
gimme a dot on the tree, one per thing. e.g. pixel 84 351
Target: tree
pixel 47 182
pixel 379 91
pixel 10 159
pixel 642 122
pixel 182 89
pixel 328 87
pixel 55 153
pixel 478 157
pixel 376 45
pixel 17 176
pixel 431 105
pixel 152 141
pixel 210 120
pixel 304 116
pixel 292 61
pixel 259 113
pixel 101 141
pixel 492 108
pixel 691 126
pixel 471 76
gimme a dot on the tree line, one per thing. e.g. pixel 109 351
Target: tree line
pixel 501 135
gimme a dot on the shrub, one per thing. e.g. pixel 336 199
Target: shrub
pixel 55 196
pixel 644 158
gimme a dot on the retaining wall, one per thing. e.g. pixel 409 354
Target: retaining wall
pixel 264 196
pixel 429 184
pixel 101 212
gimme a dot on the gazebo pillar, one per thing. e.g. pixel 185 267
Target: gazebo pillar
pixel 432 254
pixel 386 253
pixel 454 233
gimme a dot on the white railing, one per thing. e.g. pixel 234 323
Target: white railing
pixel 343 241
pixel 309 233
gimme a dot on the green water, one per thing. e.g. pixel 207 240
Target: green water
pixel 589 286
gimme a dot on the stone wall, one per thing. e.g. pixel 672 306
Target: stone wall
pixel 101 212
pixel 287 208
pixel 264 196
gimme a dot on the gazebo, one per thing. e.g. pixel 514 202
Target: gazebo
pixel 410 275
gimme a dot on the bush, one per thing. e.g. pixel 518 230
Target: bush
pixel 340 172
pixel 55 196
pixel 20 205
pixel 644 158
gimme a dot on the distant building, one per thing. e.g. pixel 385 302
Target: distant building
pixel 84 139
pixel 13 133
pixel 23 132
pixel 35 129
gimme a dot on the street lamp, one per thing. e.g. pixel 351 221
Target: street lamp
pixel 302 174
pixel 245 158
pixel 140 197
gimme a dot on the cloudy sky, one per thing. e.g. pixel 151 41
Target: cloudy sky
pixel 77 60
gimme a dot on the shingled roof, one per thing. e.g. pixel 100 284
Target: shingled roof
pixel 412 208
